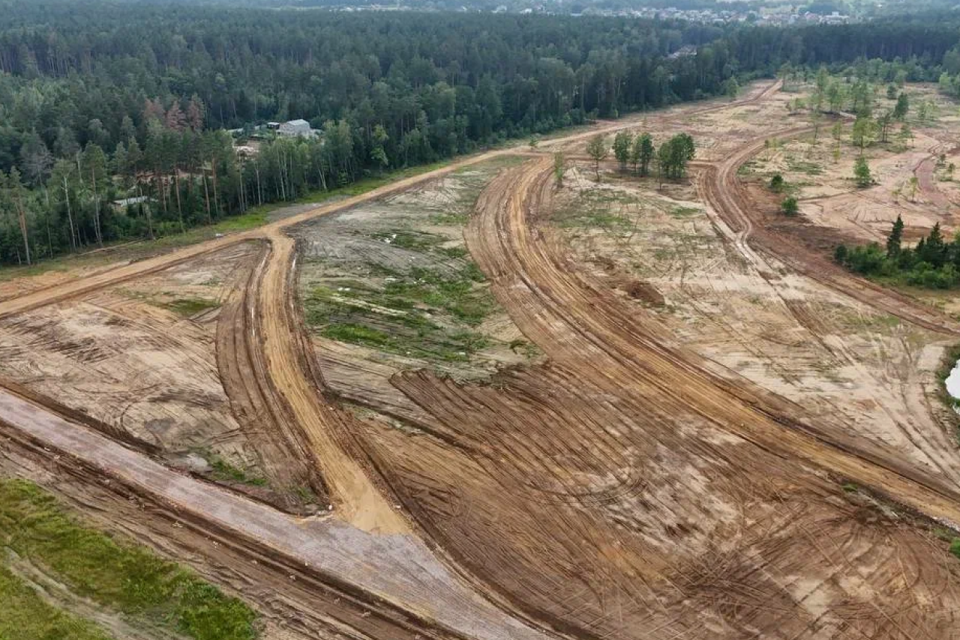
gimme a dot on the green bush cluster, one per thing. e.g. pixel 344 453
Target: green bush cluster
pixel 933 263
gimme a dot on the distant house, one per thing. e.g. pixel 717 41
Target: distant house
pixel 683 52
pixel 296 129
pixel 121 205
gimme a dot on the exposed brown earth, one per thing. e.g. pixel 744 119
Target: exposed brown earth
pixel 630 487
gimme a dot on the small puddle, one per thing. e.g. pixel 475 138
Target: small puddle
pixel 953 383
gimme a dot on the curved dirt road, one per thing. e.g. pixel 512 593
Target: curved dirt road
pixel 509 242
pixel 722 190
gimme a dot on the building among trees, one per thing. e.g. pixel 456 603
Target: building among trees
pixel 296 129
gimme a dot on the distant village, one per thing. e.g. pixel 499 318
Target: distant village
pixel 780 15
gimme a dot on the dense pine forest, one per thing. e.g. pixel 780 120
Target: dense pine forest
pixel 120 101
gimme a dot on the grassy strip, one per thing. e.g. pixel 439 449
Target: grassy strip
pixel 191 306
pixel 27 616
pixel 227 472
pixel 402 317
pixel 118 575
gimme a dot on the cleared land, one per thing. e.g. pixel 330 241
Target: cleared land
pixel 495 408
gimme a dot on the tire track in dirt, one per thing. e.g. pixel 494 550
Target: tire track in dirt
pixel 602 494
pixel 393 575
pixel 265 419
pixel 509 242
pixel 925 176
pixel 292 371
pixel 730 208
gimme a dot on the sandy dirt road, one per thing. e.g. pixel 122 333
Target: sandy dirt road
pixel 750 413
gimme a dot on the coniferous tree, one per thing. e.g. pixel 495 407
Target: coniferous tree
pixel 895 238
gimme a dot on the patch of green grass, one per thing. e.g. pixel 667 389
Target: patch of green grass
pixel 357 334
pixel 250 220
pixel 683 212
pixel 423 313
pixel 804 166
pixel 593 209
pixel 955 548
pixel 412 240
pixel 943 533
pixel 457 253
pixel 227 472
pixel 115 574
pixel 596 219
pixel 27 616
pixel 189 307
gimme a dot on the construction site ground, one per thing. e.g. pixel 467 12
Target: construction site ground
pixel 478 404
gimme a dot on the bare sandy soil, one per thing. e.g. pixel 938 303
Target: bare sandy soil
pixel 610 410
pixel 140 359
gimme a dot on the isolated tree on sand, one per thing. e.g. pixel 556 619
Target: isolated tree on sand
pixel 895 238
pixel 863 129
pixel 901 108
pixel 776 183
pixel 861 173
pixel 884 122
pixel 597 150
pixel 621 148
pixel 789 206
pixel 558 161
pixel 905 136
pixel 642 153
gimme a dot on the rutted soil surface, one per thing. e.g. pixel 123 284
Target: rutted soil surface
pixel 140 359
pixel 647 493
pixel 851 367
pixel 627 487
